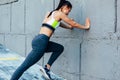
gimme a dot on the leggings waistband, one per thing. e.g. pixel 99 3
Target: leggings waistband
pixel 43 36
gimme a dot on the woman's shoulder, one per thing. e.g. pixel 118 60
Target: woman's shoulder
pixel 58 13
pixel 54 12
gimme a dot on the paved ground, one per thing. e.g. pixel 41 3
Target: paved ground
pixel 10 60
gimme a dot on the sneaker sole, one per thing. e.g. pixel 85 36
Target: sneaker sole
pixel 44 73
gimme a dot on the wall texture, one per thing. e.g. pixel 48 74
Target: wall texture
pixel 88 55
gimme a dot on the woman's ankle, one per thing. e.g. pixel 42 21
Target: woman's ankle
pixel 48 66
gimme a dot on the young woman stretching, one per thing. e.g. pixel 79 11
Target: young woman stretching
pixel 41 43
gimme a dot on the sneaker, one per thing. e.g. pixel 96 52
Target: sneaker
pixel 45 72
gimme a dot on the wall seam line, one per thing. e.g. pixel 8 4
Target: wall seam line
pixel 10 17
pixel 25 16
pixel 80 61
pixel 115 16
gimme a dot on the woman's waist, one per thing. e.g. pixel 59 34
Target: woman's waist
pixel 44 30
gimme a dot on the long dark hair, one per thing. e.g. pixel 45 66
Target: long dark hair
pixel 62 3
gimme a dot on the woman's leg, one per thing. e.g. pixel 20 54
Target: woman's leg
pixel 56 50
pixel 31 59
pixel 39 46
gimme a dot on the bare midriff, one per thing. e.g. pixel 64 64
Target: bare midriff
pixel 46 31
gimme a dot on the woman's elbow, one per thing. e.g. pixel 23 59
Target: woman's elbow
pixel 73 25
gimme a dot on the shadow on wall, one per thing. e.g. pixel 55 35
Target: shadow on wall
pixel 3 2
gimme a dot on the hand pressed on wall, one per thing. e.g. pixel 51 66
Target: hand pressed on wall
pixel 87 23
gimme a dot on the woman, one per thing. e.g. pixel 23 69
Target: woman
pixel 41 43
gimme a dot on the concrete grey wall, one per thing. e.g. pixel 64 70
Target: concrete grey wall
pixel 100 48
pixel 88 55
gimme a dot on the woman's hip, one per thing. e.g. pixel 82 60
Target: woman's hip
pixel 40 41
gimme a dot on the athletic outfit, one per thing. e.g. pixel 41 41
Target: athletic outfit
pixel 51 24
pixel 40 45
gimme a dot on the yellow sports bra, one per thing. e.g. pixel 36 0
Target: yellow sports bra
pixel 52 23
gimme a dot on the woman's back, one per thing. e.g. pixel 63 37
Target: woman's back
pixel 52 22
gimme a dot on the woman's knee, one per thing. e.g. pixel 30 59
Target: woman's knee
pixel 61 48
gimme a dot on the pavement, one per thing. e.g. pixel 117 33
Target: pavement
pixel 10 60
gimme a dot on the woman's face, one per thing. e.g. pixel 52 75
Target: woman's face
pixel 65 9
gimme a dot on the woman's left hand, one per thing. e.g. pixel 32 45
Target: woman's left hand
pixel 87 23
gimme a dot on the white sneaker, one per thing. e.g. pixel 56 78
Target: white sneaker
pixel 45 73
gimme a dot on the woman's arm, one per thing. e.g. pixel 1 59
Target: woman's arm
pixel 65 25
pixel 73 23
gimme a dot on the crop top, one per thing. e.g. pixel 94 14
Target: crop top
pixel 52 23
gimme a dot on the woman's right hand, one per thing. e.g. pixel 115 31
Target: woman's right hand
pixel 87 23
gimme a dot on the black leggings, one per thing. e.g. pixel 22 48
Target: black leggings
pixel 40 45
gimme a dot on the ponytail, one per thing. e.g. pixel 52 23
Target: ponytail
pixel 62 3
